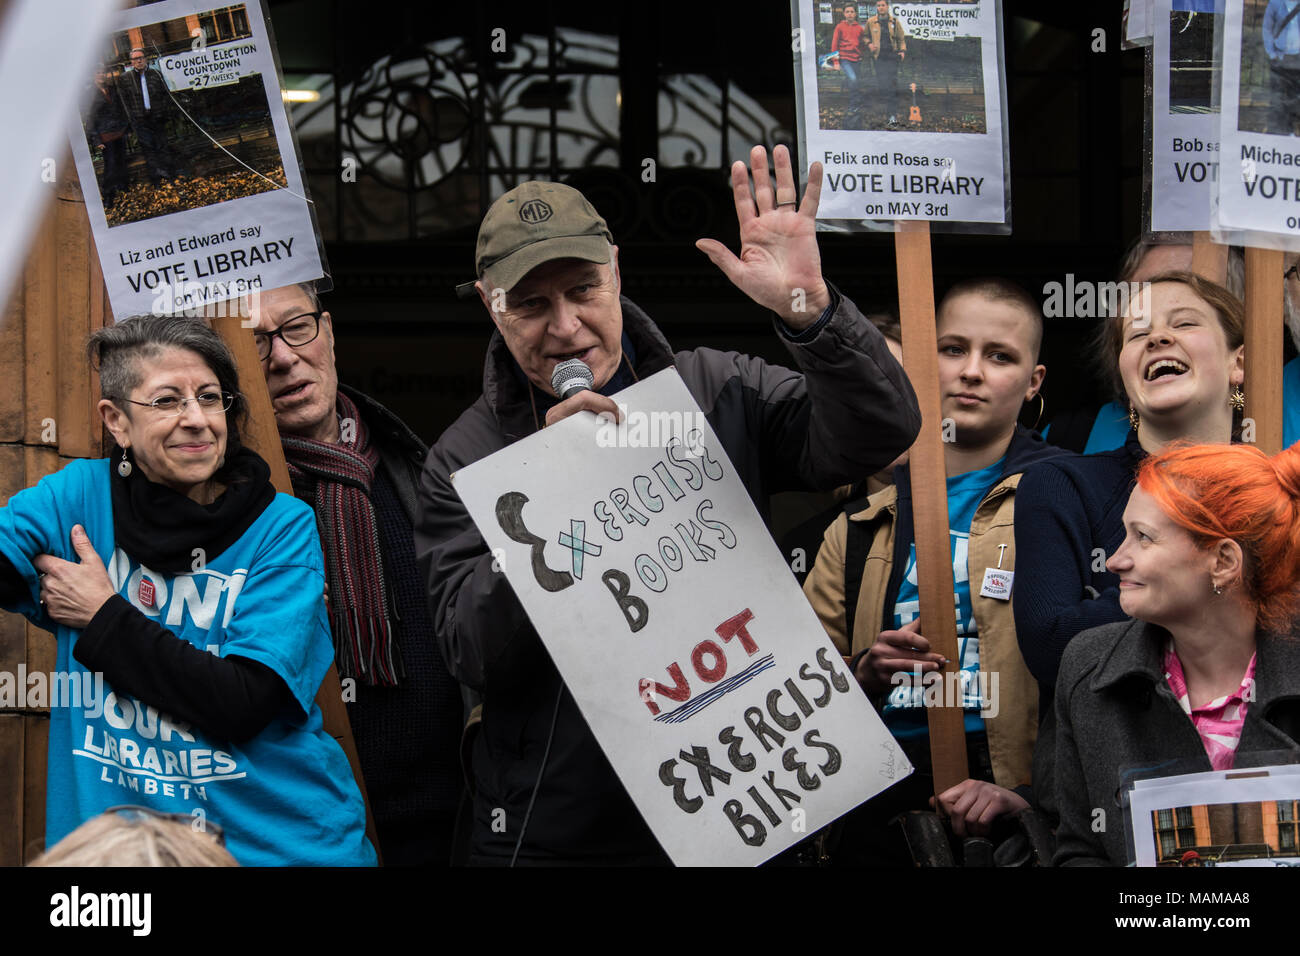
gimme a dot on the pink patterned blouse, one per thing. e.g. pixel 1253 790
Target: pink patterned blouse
pixel 1218 722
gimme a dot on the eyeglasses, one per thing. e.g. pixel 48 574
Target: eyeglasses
pixel 201 824
pixel 297 332
pixel 169 406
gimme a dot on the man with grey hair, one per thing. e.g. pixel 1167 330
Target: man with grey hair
pixel 148 105
pixel 357 464
pixel 548 276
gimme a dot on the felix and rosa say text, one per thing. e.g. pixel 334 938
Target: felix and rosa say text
pixel 939 179
pixel 684 470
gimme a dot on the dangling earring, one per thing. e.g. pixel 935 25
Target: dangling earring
pixel 1237 399
pixel 1133 417
pixel 1216 589
pixel 124 466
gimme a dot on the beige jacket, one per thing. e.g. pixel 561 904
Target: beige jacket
pixel 895 32
pixel 1012 729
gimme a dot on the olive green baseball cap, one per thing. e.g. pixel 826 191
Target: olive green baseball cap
pixel 534 223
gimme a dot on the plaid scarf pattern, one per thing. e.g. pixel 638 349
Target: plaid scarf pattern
pixel 337 479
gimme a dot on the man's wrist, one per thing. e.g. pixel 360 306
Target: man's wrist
pixel 831 298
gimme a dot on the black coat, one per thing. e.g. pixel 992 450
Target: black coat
pixel 104 117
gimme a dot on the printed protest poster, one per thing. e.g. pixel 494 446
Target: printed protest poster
pixel 903 104
pixel 1184 131
pixel 704 674
pixel 1245 817
pixel 1259 118
pixel 188 163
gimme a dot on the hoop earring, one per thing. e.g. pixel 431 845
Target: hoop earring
pixel 1042 407
pixel 1237 399
pixel 1133 419
pixel 124 467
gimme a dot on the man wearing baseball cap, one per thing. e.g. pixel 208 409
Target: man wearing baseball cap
pixel 548 275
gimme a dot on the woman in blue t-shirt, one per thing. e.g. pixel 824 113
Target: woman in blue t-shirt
pixel 187 599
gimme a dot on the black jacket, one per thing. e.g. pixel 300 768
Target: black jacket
pixel 849 414
pixel 400 450
pixel 160 101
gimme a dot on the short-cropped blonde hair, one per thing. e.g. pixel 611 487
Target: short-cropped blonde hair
pixel 136 837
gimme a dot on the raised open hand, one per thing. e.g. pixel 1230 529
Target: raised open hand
pixel 779 266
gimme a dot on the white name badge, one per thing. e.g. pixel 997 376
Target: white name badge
pixel 997 584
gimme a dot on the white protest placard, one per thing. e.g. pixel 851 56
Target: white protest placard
pixel 704 674
pixel 907 119
pixel 1184 130
pixel 1227 817
pixel 33 34
pixel 189 169
pixel 1258 191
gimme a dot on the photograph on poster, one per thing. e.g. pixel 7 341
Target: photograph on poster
pixel 176 118
pixel 1269 94
pixel 1192 67
pixel 1223 834
pixel 914 66
pixel 1219 818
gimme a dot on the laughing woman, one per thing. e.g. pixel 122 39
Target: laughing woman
pixel 175 571
pixel 1179 350
pixel 1205 676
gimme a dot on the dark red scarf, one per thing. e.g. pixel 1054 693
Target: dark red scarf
pixel 336 478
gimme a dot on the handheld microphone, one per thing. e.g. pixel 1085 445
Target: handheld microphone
pixel 571 377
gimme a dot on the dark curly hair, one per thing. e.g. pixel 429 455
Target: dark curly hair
pixel 121 352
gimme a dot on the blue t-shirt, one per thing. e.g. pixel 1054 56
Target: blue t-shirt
pixel 1291 400
pixel 904 710
pixel 287 796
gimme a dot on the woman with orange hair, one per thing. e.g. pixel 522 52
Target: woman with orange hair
pixel 1207 674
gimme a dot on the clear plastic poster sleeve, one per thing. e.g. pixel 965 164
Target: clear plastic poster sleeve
pixel 906 112
pixel 1139 22
pixel 188 161
pixel 1182 157
pixel 1258 190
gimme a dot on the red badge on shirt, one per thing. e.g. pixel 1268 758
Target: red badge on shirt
pixel 146 592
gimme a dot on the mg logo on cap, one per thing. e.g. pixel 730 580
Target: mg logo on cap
pixel 534 211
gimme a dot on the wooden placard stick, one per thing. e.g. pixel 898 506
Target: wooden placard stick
pixel 930 495
pixel 1264 347
pixel 263 437
pixel 1209 258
